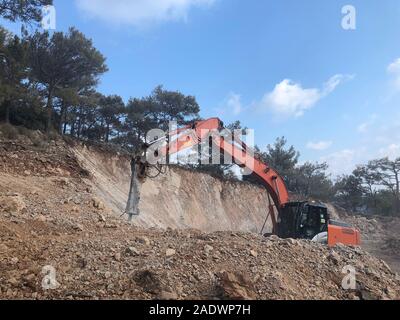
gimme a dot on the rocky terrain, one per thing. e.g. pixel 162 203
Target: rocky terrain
pixel 381 236
pixel 62 236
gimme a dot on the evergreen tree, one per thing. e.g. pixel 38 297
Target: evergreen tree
pixel 63 61
pixel 23 10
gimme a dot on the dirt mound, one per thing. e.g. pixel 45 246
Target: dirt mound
pixel 370 227
pixel 125 262
pixel 392 246
pixel 51 158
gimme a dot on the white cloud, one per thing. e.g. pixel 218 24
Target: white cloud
pixel 391 151
pixel 234 103
pixel 290 99
pixel 343 161
pixel 346 160
pixel 394 67
pixel 334 81
pixel 139 12
pixel 365 126
pixel 394 70
pixel 230 106
pixel 319 146
pixel 383 141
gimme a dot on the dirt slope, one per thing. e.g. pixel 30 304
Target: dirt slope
pixel 57 213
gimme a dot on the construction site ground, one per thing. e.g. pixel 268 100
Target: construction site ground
pixel 60 217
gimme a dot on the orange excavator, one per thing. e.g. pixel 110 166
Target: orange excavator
pixel 298 220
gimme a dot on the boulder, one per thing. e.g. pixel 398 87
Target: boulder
pixel 12 203
pixel 236 286
pixel 98 204
pixel 170 252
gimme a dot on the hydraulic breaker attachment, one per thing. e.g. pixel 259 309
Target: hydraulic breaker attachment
pixel 132 207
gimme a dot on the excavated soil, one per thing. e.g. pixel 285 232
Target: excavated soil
pixel 196 238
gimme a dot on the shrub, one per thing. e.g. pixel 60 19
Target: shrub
pixel 9 131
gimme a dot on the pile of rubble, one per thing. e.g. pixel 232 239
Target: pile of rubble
pixel 369 227
pixel 119 261
pixel 50 158
pixel 392 245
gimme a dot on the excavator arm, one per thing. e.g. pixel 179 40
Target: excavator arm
pixel 239 152
pixel 230 145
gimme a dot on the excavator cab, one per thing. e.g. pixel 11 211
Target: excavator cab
pixel 302 220
pixel 311 220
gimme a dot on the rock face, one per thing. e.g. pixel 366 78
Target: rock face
pixel 183 199
pixel 178 198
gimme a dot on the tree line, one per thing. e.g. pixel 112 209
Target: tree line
pixel 49 82
pixel 372 188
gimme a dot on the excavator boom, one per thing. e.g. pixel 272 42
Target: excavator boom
pixel 239 152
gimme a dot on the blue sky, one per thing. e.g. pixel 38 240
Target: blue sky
pixel 282 67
